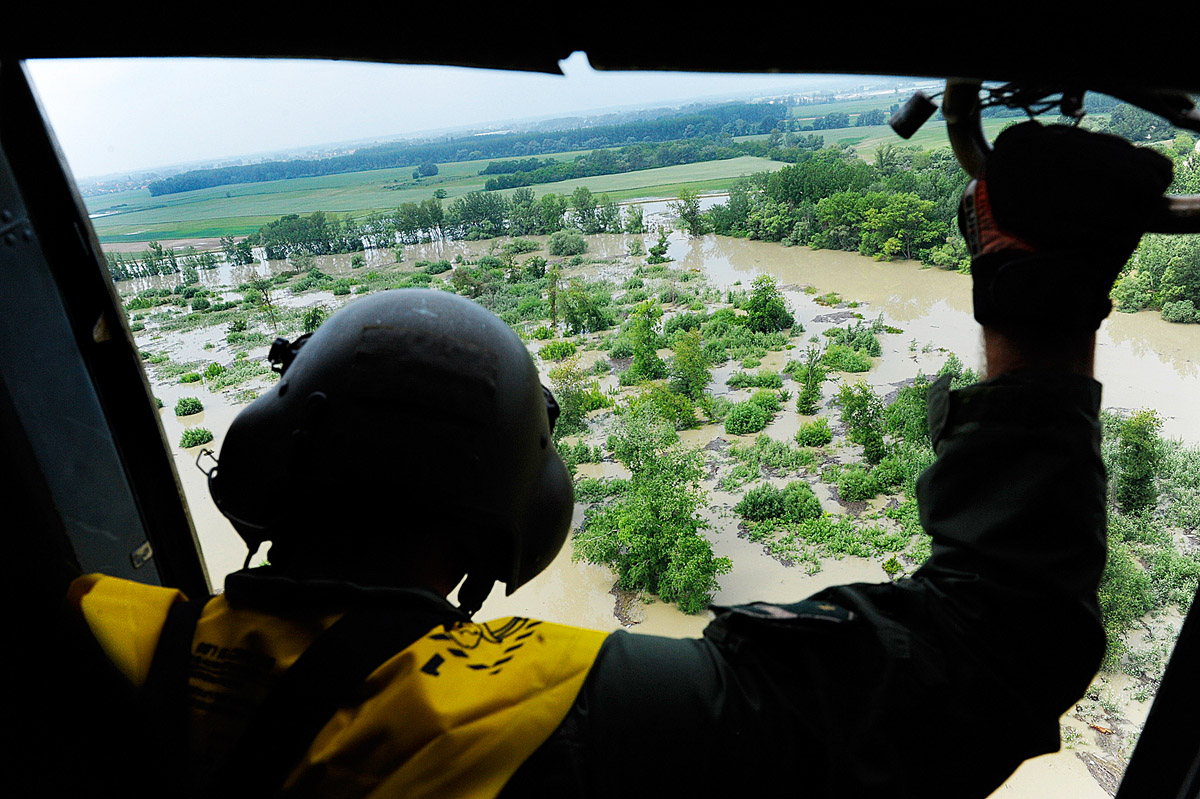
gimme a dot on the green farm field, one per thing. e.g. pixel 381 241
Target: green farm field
pixel 931 135
pixel 242 209
pixel 852 107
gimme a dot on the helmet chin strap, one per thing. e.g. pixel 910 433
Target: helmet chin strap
pixel 473 592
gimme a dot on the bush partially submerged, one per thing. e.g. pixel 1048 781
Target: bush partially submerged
pixel 746 417
pixel 195 436
pixel 796 502
pixel 815 433
pixel 188 406
pixel 564 243
pixel 557 350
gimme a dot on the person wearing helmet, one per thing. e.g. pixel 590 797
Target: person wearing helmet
pixel 342 670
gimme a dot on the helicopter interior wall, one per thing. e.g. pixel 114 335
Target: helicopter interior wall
pixel 1110 52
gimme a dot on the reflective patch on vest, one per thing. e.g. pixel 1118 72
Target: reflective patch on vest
pixel 467 641
pixel 455 714
pixel 809 609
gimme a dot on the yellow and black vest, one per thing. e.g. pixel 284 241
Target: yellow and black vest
pixel 454 714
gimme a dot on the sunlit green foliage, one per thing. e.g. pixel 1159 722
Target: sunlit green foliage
pixel 187 406
pixel 752 415
pixel 766 310
pixel 861 411
pixel 815 433
pixel 650 534
pixel 763 379
pixel 564 243
pixel 576 396
pixel 557 350
pixel 195 436
pixel 767 455
pixel 676 408
pixel 1138 460
pixel 795 502
pixel 643 337
pixel 689 368
pixel 858 336
pixel 841 358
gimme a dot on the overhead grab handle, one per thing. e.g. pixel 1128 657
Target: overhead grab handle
pixel 1179 213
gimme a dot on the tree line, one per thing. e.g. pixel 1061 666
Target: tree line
pixel 510 174
pixel 692 123
pixel 904 204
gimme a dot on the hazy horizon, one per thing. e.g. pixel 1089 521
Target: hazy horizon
pixel 121 116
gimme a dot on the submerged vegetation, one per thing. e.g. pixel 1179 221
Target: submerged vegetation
pixel 843 483
pixel 632 345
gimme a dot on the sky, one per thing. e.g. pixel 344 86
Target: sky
pixel 120 115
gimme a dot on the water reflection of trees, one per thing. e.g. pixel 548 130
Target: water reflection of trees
pixel 1134 334
pixel 899 290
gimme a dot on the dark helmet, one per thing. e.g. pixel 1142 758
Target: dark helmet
pixel 408 413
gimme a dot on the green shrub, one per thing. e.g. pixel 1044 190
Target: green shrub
pixel 796 502
pixel 594 489
pixel 746 417
pixel 531 308
pixel 799 502
pixel 767 453
pixel 622 347
pixel 1183 312
pixel 313 318
pixel 907 416
pixel 195 436
pixel 857 336
pixel 557 350
pixel 760 503
pixel 842 358
pixel 519 247
pixel 888 474
pixel 437 267
pixel 213 370
pixel 766 309
pixel 764 379
pixel 190 377
pixel 766 399
pixel 187 406
pixel 675 408
pixel 565 243
pixel 854 484
pixel 1138 457
pixel 534 267
pixel 201 304
pixel 861 411
pixel 815 433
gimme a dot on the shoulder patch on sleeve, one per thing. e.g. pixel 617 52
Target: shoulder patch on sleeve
pixel 816 610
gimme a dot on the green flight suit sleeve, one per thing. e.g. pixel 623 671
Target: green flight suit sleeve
pixel 936 685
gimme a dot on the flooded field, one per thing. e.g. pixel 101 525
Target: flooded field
pixel 1142 362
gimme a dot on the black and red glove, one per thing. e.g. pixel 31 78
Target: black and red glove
pixel 1051 220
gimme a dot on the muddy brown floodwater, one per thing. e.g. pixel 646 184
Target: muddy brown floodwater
pixel 1142 362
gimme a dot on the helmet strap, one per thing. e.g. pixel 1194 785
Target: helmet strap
pixel 473 592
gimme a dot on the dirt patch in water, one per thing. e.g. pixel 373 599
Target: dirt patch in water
pixel 628 607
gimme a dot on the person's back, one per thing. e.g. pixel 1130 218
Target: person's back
pixel 435 404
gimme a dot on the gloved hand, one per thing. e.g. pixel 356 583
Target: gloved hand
pixel 1050 222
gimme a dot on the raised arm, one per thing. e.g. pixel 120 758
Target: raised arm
pixel 942 683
